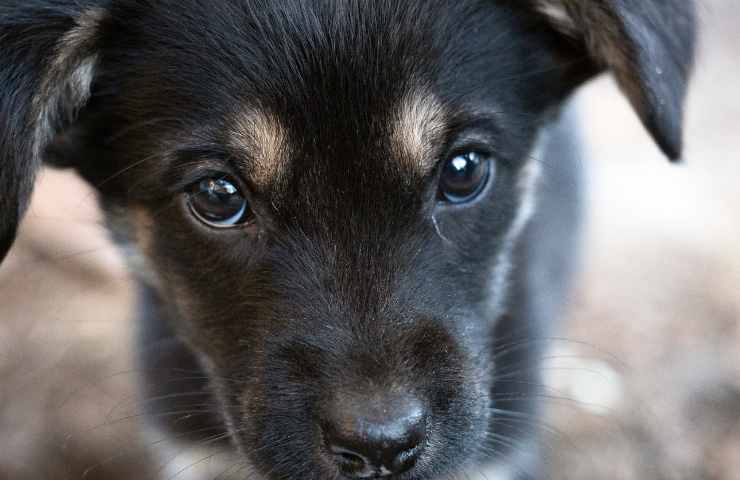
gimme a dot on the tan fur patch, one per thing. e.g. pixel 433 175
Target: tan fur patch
pixel 420 119
pixel 265 140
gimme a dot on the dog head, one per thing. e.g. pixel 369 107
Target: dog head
pixel 325 193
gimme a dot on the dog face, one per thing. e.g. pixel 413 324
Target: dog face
pixel 326 194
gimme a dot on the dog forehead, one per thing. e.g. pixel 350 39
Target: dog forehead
pixel 328 83
pixel 405 139
pixel 360 85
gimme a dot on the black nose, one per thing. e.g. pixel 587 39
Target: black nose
pixel 375 437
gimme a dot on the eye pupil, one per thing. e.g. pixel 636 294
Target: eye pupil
pixel 464 177
pixel 218 202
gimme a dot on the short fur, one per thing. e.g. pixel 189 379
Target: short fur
pixel 335 116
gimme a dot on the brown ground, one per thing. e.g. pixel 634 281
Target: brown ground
pixel 646 381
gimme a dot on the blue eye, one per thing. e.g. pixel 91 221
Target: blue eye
pixel 464 177
pixel 218 203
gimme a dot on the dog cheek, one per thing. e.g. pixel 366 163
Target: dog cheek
pixel 274 416
pixel 153 251
pixel 456 364
pixel 527 186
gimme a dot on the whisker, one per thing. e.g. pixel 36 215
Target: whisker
pixel 206 442
pixel 130 450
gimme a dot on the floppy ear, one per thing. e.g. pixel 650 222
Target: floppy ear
pixel 647 44
pixel 47 63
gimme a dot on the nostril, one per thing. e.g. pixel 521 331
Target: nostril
pixel 349 463
pixel 376 437
pixel 385 460
pixel 351 459
pixel 406 458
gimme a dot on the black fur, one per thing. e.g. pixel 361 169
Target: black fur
pixel 355 276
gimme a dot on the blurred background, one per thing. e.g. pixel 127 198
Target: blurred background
pixel 645 377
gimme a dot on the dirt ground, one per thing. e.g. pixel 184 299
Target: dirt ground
pixel 645 377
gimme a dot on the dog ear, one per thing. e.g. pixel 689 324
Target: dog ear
pixel 48 60
pixel 647 44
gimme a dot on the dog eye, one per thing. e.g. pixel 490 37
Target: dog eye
pixel 464 177
pixel 217 202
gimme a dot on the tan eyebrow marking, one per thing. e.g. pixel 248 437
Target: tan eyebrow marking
pixel 262 135
pixel 419 119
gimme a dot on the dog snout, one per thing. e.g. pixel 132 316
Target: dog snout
pixel 370 436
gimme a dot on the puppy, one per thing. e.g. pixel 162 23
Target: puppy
pixel 352 222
